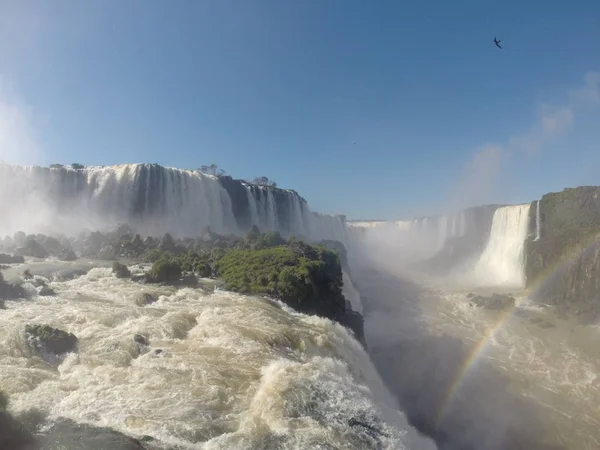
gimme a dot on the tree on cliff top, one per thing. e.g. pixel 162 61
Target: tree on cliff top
pixel 264 181
pixel 213 169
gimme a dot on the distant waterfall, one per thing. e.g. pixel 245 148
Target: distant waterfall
pixel 538 221
pixel 501 263
pixel 426 237
pixel 154 200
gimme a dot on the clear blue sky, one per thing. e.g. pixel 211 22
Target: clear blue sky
pixel 369 108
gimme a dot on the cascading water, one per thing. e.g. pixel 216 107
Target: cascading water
pixel 154 200
pixel 537 220
pixel 501 263
pixel 214 370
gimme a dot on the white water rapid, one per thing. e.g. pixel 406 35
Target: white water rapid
pixel 221 370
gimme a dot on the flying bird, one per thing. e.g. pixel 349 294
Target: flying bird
pixel 497 42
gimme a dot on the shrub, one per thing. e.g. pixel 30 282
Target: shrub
pixel 165 270
pixel 307 278
pixel 120 270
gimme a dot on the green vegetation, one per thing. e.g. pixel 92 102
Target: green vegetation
pixel 213 169
pixel 264 181
pixel 77 166
pixel 307 278
pixel 166 269
pixel 120 270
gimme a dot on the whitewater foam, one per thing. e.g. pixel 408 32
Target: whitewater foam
pixel 501 263
pixel 222 370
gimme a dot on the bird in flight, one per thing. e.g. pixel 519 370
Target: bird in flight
pixel 497 42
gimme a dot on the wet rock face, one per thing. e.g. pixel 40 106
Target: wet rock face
pixel 239 201
pixel 563 265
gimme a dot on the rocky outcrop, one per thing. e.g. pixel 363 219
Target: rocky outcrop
pixel 498 302
pixel 120 270
pixel 10 291
pixel 563 266
pixel 51 343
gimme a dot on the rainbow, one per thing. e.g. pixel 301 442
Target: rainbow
pixel 479 349
pixel 471 359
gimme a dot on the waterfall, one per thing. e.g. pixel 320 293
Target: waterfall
pixel 501 263
pixel 538 221
pixel 153 200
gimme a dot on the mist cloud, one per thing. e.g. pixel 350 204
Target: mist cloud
pixel 481 175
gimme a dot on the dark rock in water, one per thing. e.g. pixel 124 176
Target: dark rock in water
pixel 158 351
pixel 9 259
pixel 46 339
pixel 120 270
pixel 33 249
pixel 13 435
pixel 46 292
pixel 66 255
pixel 189 280
pixel 494 301
pixel 470 295
pixel 10 291
pixel 144 298
pixel 141 339
pixel 67 434
pixel 27 274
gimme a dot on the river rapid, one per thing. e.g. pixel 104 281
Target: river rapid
pixel 219 371
pixel 478 378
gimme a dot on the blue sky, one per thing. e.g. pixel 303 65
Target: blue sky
pixel 382 109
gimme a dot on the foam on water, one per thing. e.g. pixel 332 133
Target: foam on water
pixel 222 370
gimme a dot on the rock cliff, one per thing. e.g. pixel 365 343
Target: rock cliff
pixel 562 264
